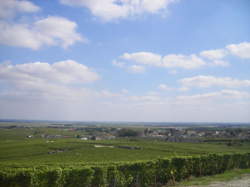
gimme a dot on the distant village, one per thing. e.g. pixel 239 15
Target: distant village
pixel 168 133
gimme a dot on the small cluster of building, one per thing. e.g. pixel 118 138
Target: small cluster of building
pixel 171 134
pixel 197 134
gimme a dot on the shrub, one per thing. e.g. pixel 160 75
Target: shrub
pixel 140 173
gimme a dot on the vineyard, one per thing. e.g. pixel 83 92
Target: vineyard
pixel 120 162
pixel 148 173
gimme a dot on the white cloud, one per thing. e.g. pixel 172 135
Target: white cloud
pixel 214 54
pixel 31 94
pixel 46 84
pixel 136 69
pixel 168 61
pixel 241 50
pixel 164 87
pixel 8 8
pixel 146 58
pixel 209 81
pixel 223 94
pixel 51 31
pixel 182 61
pixel 48 91
pixel 116 9
pixel 220 63
pixel 213 98
pixel 58 28
pixel 144 98
pixel 107 93
pixel 193 61
pixel 235 94
pixel 132 68
pixel 42 74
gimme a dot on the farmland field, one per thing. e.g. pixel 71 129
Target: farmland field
pixel 64 155
pixel 19 151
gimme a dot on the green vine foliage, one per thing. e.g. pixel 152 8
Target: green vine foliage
pixel 127 174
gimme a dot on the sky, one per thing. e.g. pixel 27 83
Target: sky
pixel 125 60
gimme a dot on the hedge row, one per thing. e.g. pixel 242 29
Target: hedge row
pixel 150 173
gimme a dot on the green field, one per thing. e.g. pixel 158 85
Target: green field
pixel 19 151
pixel 42 156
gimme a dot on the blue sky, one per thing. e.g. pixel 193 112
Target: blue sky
pixel 125 60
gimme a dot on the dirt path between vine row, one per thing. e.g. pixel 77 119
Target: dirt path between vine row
pixel 242 182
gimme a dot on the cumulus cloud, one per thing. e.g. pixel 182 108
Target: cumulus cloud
pixel 222 94
pixel 136 69
pixel 8 8
pixel 51 31
pixel 145 99
pixel 107 93
pixel 168 61
pixel 210 81
pixel 214 54
pixel 193 61
pixel 221 63
pixel 216 57
pixel 241 50
pixel 47 91
pixel 41 83
pixel 183 61
pixel 129 68
pixel 40 79
pixel 146 58
pixel 116 9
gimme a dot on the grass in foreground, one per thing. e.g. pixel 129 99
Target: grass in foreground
pixel 227 176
